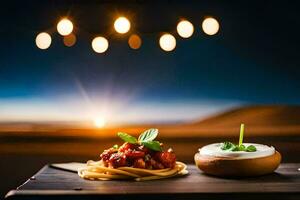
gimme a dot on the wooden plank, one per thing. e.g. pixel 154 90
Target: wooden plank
pixel 50 183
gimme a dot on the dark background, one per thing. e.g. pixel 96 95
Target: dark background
pixel 253 59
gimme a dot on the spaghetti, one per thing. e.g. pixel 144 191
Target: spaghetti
pixel 141 159
pixel 95 170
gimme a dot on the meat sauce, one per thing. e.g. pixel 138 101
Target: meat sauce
pixel 138 156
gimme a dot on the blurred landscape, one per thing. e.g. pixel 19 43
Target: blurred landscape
pixel 26 147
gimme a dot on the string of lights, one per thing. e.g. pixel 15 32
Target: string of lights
pixel 122 25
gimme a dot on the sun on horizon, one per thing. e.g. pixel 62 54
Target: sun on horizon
pixel 99 122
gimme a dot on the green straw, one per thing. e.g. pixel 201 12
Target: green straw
pixel 241 134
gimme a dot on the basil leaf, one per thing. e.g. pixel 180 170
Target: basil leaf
pixel 153 145
pixel 115 146
pixel 251 148
pixel 127 138
pixel 148 135
pixel 227 146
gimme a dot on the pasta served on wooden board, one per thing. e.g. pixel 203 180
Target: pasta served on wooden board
pixel 139 159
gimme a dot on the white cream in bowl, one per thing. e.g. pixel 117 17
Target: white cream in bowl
pixel 216 151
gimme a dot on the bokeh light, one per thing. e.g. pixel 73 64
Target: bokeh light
pixel 134 41
pixel 100 44
pixel 43 40
pixel 69 40
pixel 64 27
pixel 122 25
pixel 210 26
pixel 167 42
pixel 185 29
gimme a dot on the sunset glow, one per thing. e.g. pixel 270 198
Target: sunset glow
pixel 99 122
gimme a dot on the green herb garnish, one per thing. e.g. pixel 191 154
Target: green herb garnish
pixel 239 148
pixel 251 148
pixel 228 146
pixel 127 138
pixel 146 138
pixel 154 145
pixel 148 135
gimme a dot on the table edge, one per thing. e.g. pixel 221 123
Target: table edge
pixel 13 193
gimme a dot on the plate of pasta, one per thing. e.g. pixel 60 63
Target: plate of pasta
pixel 139 159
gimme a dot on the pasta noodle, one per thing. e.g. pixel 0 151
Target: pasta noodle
pixel 95 170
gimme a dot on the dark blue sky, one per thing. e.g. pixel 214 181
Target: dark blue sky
pixel 253 59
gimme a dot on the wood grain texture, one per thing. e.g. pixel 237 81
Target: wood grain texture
pixel 51 183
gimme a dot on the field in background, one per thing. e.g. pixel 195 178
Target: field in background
pixel 25 148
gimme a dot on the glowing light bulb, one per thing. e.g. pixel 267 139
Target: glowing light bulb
pixel 100 44
pixel 185 29
pixel 210 26
pixel 134 41
pixel 43 40
pixel 122 25
pixel 167 42
pixel 64 27
pixel 99 122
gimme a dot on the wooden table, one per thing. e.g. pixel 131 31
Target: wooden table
pixel 50 183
